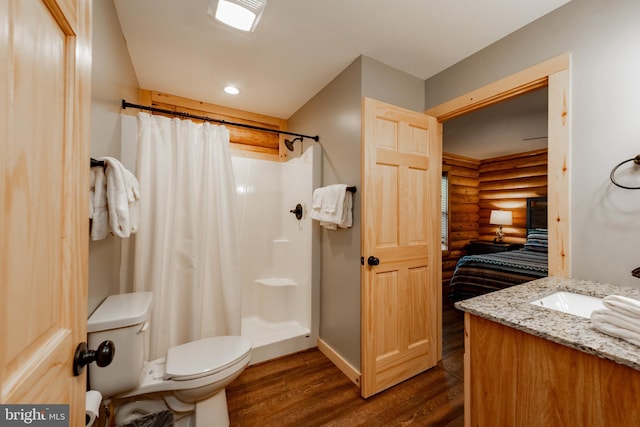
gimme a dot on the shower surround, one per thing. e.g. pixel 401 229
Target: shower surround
pixel 278 253
pixel 280 296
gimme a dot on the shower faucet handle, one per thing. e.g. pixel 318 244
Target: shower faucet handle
pixel 297 211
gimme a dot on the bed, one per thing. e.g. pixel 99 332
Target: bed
pixel 480 274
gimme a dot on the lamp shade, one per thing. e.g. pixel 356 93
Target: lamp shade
pixel 501 218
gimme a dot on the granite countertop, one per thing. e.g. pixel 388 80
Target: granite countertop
pixel 511 307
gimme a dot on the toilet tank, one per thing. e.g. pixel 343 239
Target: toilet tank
pixel 124 320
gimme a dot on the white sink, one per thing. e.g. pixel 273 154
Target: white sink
pixel 569 302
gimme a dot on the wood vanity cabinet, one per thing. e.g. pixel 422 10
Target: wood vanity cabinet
pixel 512 378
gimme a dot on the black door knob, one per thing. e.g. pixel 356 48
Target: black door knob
pixel 373 261
pixel 103 356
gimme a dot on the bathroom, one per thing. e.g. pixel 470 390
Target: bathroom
pixel 279 294
pixel 106 274
pixel 274 244
pixel 604 221
pixel 280 306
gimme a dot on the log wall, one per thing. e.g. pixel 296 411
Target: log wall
pixel 464 209
pixel 506 183
pixel 478 186
pixel 267 145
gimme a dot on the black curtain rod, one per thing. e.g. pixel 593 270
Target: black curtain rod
pixel 126 105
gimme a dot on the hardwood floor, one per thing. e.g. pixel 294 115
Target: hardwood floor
pixel 306 389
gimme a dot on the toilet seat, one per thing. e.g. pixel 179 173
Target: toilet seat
pixel 152 379
pixel 204 357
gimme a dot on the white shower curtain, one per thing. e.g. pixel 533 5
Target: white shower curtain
pixel 186 249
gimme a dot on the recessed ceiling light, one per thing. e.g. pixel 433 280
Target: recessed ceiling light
pixel 241 14
pixel 231 90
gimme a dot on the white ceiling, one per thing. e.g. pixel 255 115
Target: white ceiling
pixel 301 45
pixel 513 126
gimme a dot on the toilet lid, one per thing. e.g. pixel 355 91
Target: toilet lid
pixel 204 357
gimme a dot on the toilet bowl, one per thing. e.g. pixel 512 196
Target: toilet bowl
pixel 190 379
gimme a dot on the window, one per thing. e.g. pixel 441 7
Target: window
pixel 444 211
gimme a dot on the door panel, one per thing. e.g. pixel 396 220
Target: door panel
pixel 417 330
pixel 44 200
pixel 386 305
pixel 401 296
pixel 387 209
pixel 417 207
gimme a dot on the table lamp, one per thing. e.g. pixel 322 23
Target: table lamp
pixel 500 218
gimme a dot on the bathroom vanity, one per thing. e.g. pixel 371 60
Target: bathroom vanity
pixel 527 365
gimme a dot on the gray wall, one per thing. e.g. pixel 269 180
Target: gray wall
pixel 113 79
pixel 603 39
pixel 335 114
pixel 386 84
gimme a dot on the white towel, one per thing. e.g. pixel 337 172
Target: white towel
pixel 333 199
pixel 92 191
pixel 617 325
pixel 100 215
pixel 316 202
pixel 333 206
pixel 123 192
pixel 623 305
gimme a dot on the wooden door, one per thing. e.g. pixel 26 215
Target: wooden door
pixel 45 71
pixel 401 296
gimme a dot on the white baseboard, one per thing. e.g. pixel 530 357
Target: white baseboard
pixel 352 373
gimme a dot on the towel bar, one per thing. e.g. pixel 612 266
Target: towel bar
pixel 95 162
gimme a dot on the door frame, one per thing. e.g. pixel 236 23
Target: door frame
pixel 555 74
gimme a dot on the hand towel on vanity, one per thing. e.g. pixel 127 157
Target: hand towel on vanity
pixel 99 214
pixel 624 305
pixel 332 206
pixel 123 192
pixel 617 325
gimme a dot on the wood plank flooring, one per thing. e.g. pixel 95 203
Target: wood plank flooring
pixel 306 390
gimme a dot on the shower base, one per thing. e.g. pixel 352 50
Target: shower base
pixel 275 339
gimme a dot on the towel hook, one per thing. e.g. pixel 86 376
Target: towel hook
pixel 635 160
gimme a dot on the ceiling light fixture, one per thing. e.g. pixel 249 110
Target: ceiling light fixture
pixel 241 14
pixel 231 90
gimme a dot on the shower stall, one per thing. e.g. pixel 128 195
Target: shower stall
pixel 280 292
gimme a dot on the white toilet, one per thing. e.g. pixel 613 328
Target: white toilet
pixel 190 380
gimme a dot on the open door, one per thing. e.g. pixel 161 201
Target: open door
pixel 45 52
pixel 401 280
